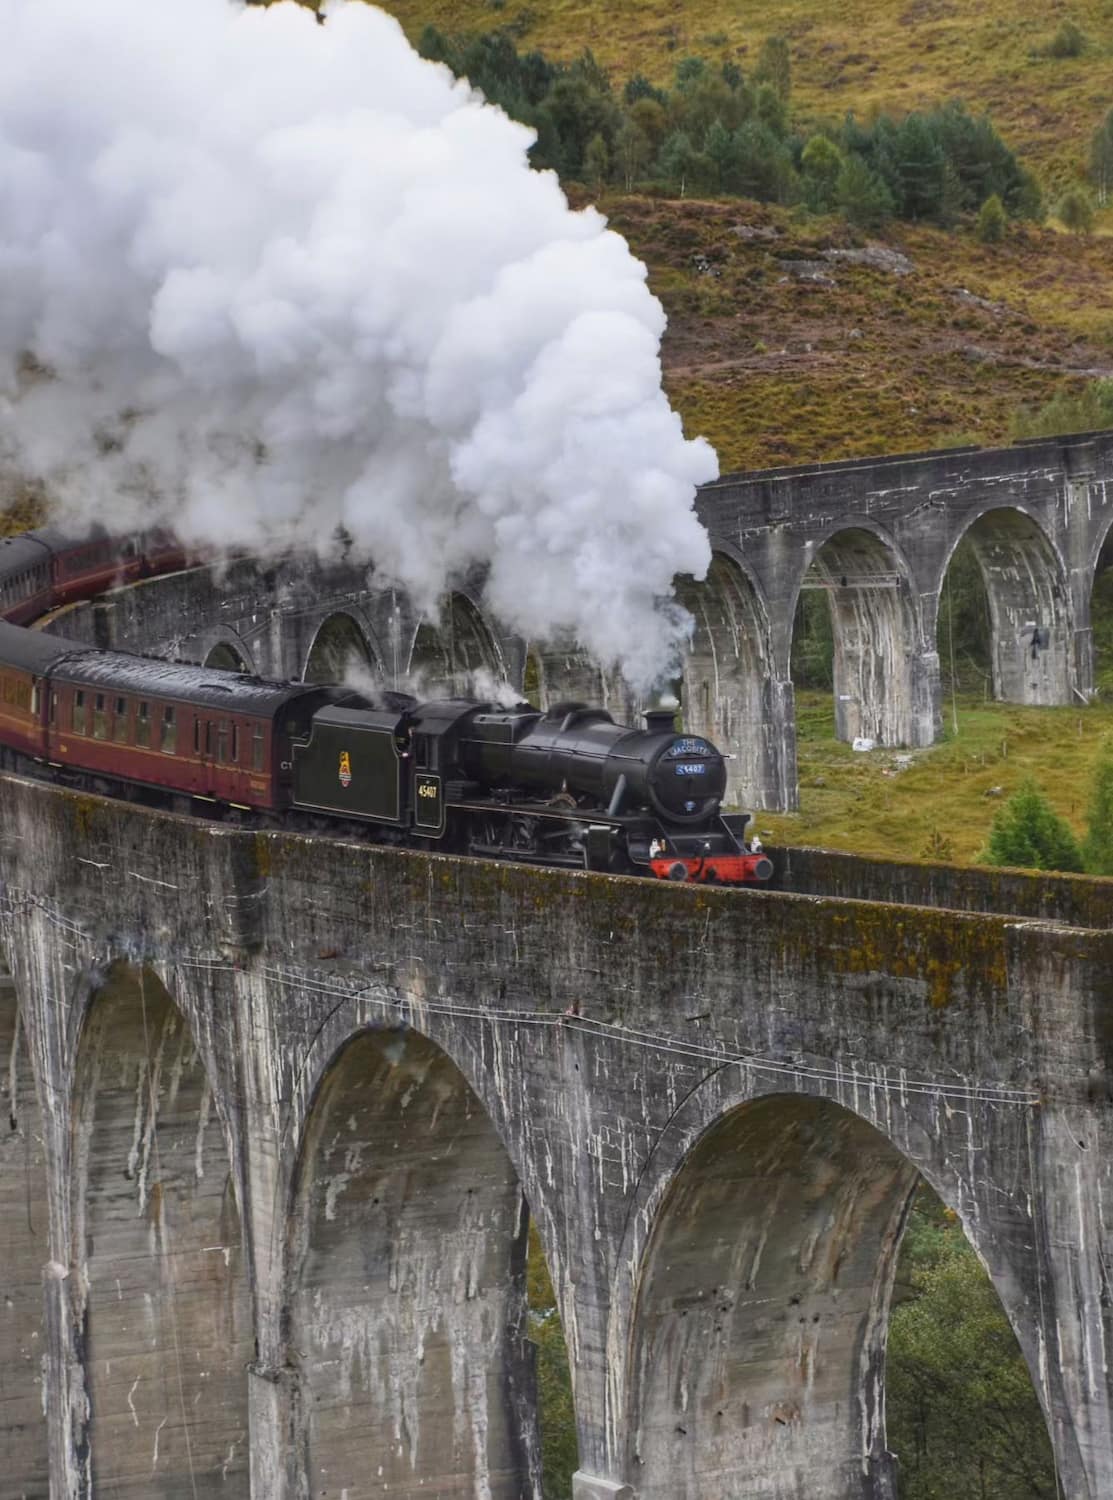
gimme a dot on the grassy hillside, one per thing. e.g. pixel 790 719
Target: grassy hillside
pixel 863 55
pixel 782 348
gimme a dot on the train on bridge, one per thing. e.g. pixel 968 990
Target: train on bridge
pixel 567 787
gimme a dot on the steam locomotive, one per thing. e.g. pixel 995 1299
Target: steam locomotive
pixel 566 787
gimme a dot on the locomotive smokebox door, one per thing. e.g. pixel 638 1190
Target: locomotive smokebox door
pixel 428 803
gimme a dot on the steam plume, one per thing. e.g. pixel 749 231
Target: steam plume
pixel 272 278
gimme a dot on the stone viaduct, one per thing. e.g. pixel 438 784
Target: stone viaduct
pixel 279 1111
pixel 876 535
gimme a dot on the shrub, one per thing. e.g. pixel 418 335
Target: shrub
pixel 992 221
pixel 1028 833
pixel 1068 41
pixel 938 846
pixel 1076 212
pixel 1089 410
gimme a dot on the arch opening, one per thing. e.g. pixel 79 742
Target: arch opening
pixel 758 1346
pixel 455 655
pixel 24 1248
pixel 1027 603
pixel 158 1247
pixel 726 685
pixel 407 1300
pixel 865 645
pixel 964 627
pixel 225 658
pixel 340 652
pixel 1101 621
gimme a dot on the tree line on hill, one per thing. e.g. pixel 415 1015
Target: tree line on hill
pixel 717 130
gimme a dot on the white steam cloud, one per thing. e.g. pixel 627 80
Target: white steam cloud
pixel 270 278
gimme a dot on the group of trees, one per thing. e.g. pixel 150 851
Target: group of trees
pixel 1029 833
pixel 716 130
pixel 963 1416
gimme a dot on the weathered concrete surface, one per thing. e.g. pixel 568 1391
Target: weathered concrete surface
pixel 1068 900
pixel 770 1323
pixel 407 1201
pixel 656 1065
pixel 23 1249
pixel 159 1285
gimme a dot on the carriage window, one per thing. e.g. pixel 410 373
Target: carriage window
pixel 235 744
pixel 53 709
pixel 143 725
pixel 257 748
pixel 222 741
pixel 169 732
pixel 120 722
pixel 36 699
pixel 209 739
pixel 197 736
pixel 79 713
pixel 100 718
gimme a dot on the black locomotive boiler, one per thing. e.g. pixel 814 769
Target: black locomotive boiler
pixel 567 787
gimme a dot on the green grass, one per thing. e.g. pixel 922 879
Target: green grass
pixel 865 804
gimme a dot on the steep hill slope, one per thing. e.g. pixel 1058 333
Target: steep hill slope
pixel 862 55
pixel 791 340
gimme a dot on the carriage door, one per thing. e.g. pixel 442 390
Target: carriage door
pixel 204 750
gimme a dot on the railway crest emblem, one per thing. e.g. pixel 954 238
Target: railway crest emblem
pixel 345 772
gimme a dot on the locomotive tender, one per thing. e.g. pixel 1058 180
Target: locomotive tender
pixel 567 787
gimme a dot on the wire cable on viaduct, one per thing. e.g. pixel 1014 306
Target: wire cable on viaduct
pixel 281 1111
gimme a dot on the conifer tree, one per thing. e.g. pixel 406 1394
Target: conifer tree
pixel 1029 834
pixel 992 221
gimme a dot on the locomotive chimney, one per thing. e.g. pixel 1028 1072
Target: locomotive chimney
pixel 660 720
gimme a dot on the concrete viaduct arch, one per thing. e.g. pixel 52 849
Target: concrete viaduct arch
pixel 875 535
pixel 604 1047
pixel 885 682
pixel 342 646
pixel 406 1271
pixel 160 1293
